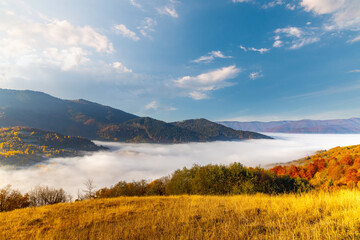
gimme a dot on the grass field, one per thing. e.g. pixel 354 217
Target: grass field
pixel 307 216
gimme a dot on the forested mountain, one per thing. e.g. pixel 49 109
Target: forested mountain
pixel 42 111
pixel 351 125
pixel 95 121
pixel 21 146
pixel 216 132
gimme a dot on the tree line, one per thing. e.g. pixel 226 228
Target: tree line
pixel 200 180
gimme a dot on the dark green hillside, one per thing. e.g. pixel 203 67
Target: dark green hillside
pixel 21 146
pixel 42 111
pixel 149 130
pixel 215 131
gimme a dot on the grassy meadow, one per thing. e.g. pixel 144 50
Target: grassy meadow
pixel 312 215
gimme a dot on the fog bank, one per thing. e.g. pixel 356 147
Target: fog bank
pixel 150 161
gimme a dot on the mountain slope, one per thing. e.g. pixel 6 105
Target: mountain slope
pixel 149 130
pixel 23 146
pixel 40 110
pixel 216 132
pixel 351 125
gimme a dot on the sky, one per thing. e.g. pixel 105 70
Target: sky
pixel 179 59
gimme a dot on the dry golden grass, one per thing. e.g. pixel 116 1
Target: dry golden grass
pixel 307 216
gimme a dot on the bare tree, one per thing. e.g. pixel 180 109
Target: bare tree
pixel 40 196
pixel 89 189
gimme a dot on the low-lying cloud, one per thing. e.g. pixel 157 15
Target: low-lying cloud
pixel 150 161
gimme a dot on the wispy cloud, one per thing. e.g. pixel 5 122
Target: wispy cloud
pixel 211 57
pixel 147 26
pixel 297 37
pixel 121 68
pixel 328 91
pixel 135 4
pixel 152 105
pixel 125 32
pixel 168 10
pixel 252 49
pixel 201 84
pixel 355 71
pixel 256 75
pixel 241 1
pixel 355 39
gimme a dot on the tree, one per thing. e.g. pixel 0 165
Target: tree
pixel 89 189
pixel 12 199
pixel 40 196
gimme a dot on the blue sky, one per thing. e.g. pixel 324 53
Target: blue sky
pixel 180 59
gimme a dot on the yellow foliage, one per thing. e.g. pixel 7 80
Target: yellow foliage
pixel 308 216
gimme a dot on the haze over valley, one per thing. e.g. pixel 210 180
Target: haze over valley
pixel 133 162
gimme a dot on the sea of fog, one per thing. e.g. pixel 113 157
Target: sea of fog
pixel 150 161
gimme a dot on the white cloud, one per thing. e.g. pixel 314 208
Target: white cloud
pixel 121 68
pixel 356 39
pixel 211 57
pixel 303 41
pixel 355 71
pixel 67 59
pixel 206 82
pixel 256 75
pixel 297 37
pixel 290 7
pixel 273 4
pixel 290 31
pixel 45 43
pixel 52 32
pixel 152 105
pixel 125 32
pixel 147 26
pixel 241 1
pixel 344 14
pixel 168 10
pixel 135 4
pixel 277 43
pixel 323 6
pixel 260 50
pixel 196 95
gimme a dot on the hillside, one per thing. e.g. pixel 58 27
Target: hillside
pixel 336 168
pixel 22 146
pixel 351 125
pixel 217 132
pixel 95 121
pixel 306 216
pixel 42 111
pixel 146 129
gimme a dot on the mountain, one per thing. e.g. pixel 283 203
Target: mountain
pixel 42 111
pixel 95 121
pixel 21 146
pixel 142 130
pixel 211 131
pixel 351 125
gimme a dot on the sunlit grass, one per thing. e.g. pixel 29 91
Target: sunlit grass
pixel 307 216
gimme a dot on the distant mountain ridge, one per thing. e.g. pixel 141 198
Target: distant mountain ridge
pixel 351 125
pixel 96 121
